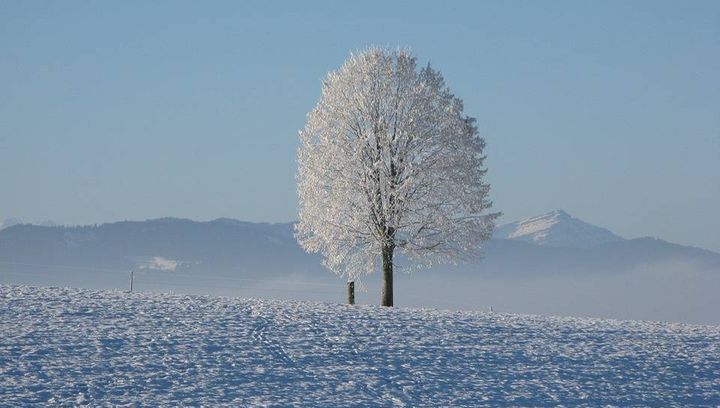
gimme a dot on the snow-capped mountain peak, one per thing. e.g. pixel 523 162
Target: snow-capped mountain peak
pixel 557 229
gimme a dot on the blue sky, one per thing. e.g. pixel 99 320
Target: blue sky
pixel 136 110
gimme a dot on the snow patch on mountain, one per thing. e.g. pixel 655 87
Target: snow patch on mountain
pixel 557 229
pixel 160 263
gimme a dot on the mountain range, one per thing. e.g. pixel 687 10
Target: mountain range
pixel 227 256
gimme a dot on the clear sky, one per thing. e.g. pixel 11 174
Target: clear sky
pixel 134 109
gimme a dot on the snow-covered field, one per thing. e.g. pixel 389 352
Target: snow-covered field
pixel 75 347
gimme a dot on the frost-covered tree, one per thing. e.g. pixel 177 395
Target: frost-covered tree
pixel 390 163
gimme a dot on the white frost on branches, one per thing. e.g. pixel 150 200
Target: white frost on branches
pixel 389 160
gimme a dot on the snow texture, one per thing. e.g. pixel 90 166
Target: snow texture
pixel 69 347
pixel 557 229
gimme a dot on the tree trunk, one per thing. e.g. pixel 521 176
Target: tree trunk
pixel 387 288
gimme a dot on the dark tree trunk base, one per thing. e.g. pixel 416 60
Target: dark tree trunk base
pixel 387 284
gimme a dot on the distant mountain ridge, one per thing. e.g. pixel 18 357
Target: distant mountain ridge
pixel 550 244
pixel 15 221
pixel 93 253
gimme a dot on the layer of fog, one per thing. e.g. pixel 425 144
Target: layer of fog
pixel 675 291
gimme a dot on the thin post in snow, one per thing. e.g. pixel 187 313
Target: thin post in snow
pixel 351 293
pixel 132 278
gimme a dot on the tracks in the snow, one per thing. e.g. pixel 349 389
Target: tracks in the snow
pixel 261 334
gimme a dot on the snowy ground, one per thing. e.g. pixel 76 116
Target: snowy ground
pixel 75 347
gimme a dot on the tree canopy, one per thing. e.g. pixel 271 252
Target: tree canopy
pixel 388 161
